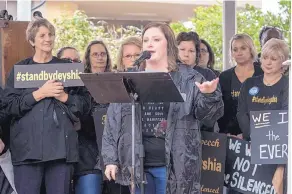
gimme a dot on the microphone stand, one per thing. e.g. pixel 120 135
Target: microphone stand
pixel 134 100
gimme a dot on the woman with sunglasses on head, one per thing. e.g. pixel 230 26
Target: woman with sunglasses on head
pixel 266 33
pixel 70 54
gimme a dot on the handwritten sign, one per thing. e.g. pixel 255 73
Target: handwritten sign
pixel 213 162
pixel 269 135
pixel 241 175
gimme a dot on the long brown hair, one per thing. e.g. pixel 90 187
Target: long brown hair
pixel 87 62
pixel 172 49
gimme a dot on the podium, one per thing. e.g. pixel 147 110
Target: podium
pixel 13 46
pixel 135 88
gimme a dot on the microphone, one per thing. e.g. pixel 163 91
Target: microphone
pixel 145 55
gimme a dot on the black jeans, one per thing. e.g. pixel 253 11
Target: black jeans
pixel 110 187
pixel 57 175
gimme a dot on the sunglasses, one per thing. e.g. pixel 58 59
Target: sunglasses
pixel 72 60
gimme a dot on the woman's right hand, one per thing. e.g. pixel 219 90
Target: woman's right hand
pixel 110 171
pixel 51 88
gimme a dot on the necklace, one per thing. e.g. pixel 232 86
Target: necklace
pixel 270 83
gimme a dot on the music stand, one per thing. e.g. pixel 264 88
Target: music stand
pixel 132 87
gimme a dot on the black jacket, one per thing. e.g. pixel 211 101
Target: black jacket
pixel 43 131
pixel 208 74
pixel 228 123
pixel 183 137
pixel 90 137
pixel 4 122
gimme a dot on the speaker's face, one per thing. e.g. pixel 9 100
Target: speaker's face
pixel 155 42
pixel 44 40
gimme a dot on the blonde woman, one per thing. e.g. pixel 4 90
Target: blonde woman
pixel 129 51
pixel 266 92
pixel 243 53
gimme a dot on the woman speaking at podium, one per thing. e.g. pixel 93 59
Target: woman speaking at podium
pixel 171 132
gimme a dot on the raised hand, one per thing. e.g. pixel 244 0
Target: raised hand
pixel 208 87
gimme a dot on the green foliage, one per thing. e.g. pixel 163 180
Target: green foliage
pixel 207 22
pixel 78 30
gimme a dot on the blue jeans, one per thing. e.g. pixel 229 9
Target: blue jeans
pixel 156 181
pixel 89 184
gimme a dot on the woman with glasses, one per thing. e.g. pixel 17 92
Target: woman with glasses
pixel 129 51
pixel 97 58
pixel 88 179
pixel 207 57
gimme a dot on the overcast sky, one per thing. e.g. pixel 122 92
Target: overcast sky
pixel 270 5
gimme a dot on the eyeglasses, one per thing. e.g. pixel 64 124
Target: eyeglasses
pixel 204 50
pixel 72 60
pixel 128 57
pixel 101 54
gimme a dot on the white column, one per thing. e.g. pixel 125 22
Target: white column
pixel 23 10
pixel 229 29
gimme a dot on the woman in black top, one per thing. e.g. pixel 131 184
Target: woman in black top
pixel 189 53
pixel 266 92
pixel 207 57
pixel 243 52
pixel 171 131
pixel 43 137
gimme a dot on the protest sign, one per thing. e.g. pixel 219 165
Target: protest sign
pixel 269 135
pixel 213 162
pixel 241 175
pixel 35 75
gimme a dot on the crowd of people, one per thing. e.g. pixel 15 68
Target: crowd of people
pixel 57 149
